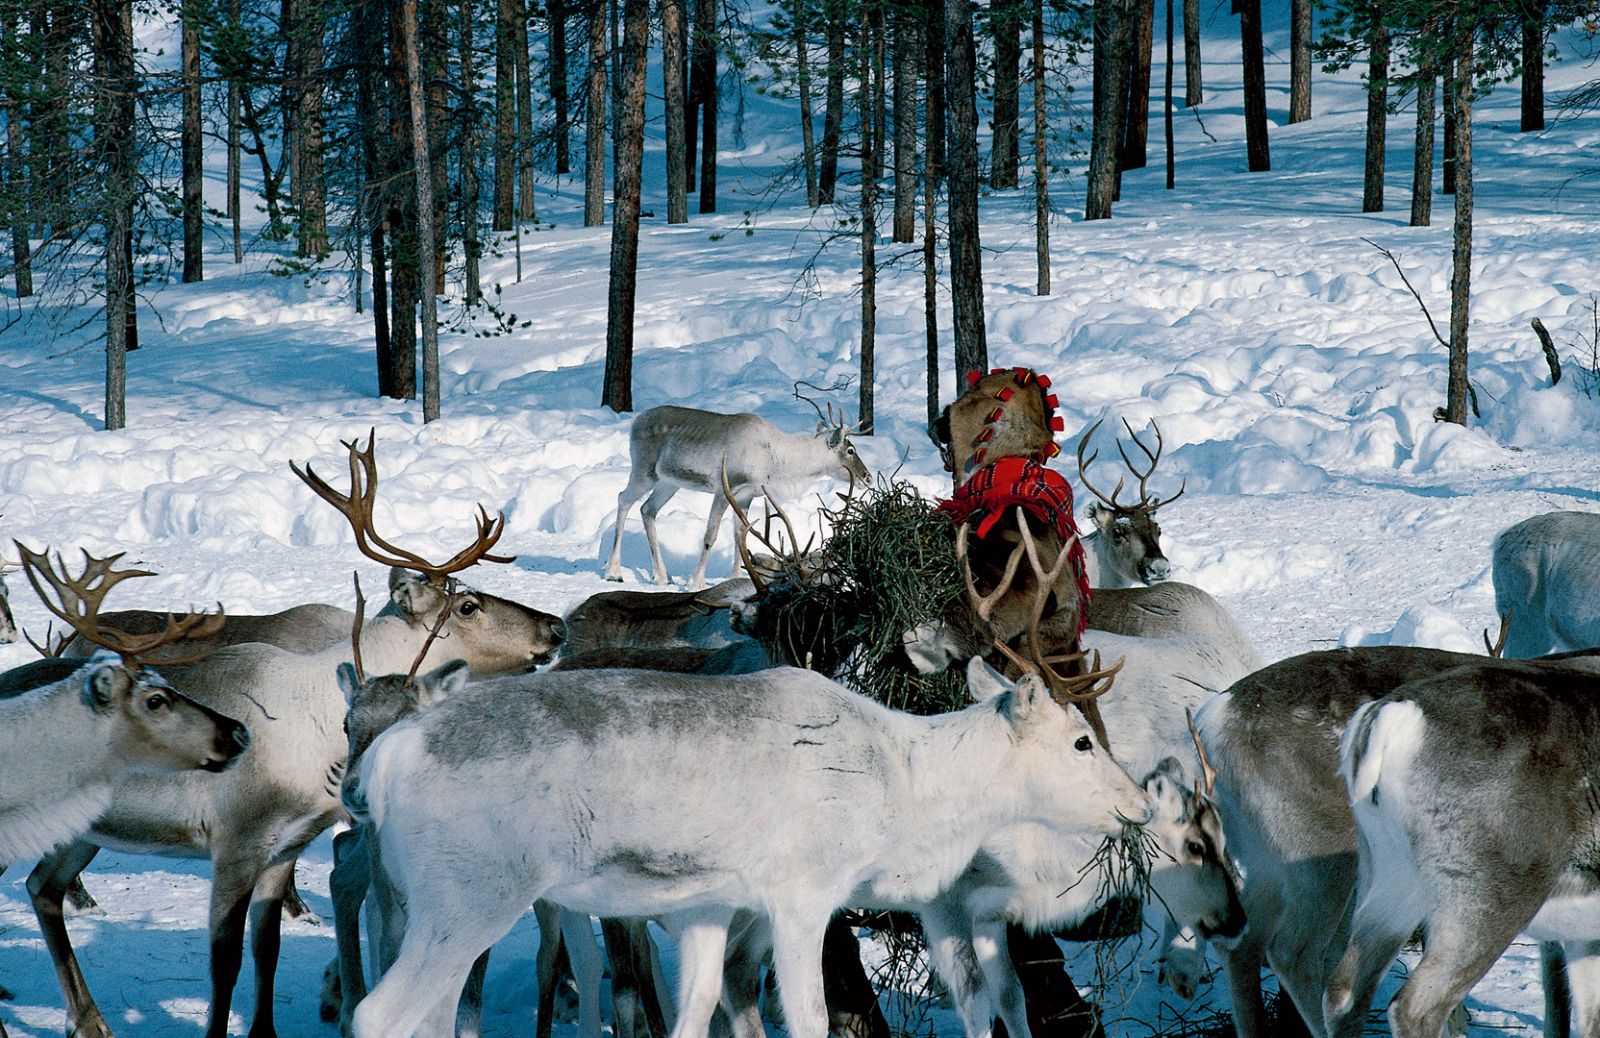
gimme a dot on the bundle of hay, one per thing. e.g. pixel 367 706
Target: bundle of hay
pixel 888 566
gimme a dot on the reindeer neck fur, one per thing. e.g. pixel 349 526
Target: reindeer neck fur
pixel 957 783
pixel 67 782
pixel 779 459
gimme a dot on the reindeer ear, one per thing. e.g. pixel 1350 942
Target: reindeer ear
pixel 348 683
pixel 1028 699
pixel 1099 514
pixel 983 681
pixel 1167 787
pixel 411 593
pixel 105 681
pixel 442 682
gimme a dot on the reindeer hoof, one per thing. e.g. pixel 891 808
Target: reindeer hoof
pixel 615 578
pixel 332 993
pixel 93 1025
pixel 1457 1022
pixel 78 901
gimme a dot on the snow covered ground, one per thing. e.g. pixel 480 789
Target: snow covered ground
pixel 1290 370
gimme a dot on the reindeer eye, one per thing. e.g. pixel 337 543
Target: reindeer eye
pixel 155 701
pixel 1083 745
pixel 1196 848
pixel 467 608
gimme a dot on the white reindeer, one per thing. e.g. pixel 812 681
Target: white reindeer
pixel 1547 583
pixel 1473 794
pixel 1122 546
pixel 673 448
pixel 781 792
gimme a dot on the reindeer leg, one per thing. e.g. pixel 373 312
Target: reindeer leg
pixel 947 927
pixel 47 886
pixel 588 969
pixel 797 958
pixel 546 965
pixel 638 484
pixel 1557 990
pixel 748 946
pixel 1583 985
pixel 348 886
pixel 234 875
pixel 653 504
pixel 625 1009
pixel 266 923
pixel 719 506
pixel 469 1011
pixel 702 943
pixel 1463 943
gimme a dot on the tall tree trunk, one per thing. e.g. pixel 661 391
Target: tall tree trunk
pixel 1136 121
pixel 468 132
pixel 1422 161
pixel 433 42
pixel 905 125
pixel 1041 158
pixel 966 257
pixel 310 186
pixel 235 211
pixel 525 178
pixel 368 30
pixel 1461 257
pixel 1448 164
pixel 1112 24
pixel 802 60
pixel 505 115
pixel 421 163
pixel 705 46
pixel 933 52
pixel 1166 106
pixel 879 97
pixel 1003 150
pixel 193 171
pixel 114 139
pixel 1259 158
pixel 1193 88
pixel 1532 65
pixel 691 115
pixel 617 393
pixel 1377 111
pixel 558 84
pixel 870 91
pixel 15 183
pixel 594 167
pixel 401 217
pixel 288 26
pixel 673 16
pixel 833 111
pixel 1299 60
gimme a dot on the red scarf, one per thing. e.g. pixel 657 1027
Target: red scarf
pixel 1007 483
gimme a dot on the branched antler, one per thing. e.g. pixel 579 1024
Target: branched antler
pixel 1147 501
pixel 77 600
pixel 356 506
pixel 984 604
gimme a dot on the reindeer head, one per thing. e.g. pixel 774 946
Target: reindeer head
pixel 1007 413
pixel 1132 538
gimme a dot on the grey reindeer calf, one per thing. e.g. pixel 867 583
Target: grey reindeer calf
pixel 676 448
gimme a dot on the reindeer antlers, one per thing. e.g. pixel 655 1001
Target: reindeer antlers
pixel 77 602
pixel 1147 502
pixel 356 506
pixel 1498 649
pixel 1207 771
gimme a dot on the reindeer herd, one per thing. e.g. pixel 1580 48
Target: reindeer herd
pixel 647 759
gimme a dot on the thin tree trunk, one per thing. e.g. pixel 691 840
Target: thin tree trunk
pixel 114 130
pixel 802 60
pixel 469 157
pixel 672 53
pixel 310 188
pixel 425 230
pixel 1166 106
pixel 1377 112
pixel 1136 122
pixel 691 115
pixel 1422 161
pixel 368 30
pixel 1041 158
pixel 879 97
pixel 966 257
pixel 933 51
pixel 193 170
pixel 1006 28
pixel 21 198
pixel 525 178
pixel 1259 158
pixel 128 113
pixel 1449 160
pixel 1193 88
pixel 870 91
pixel 1533 65
pixel 1111 26
pixel 401 217
pixel 557 11
pixel 1461 258
pixel 1299 60
pixel 594 168
pixel 833 111
pixel 235 212
pixel 905 126
pixel 705 39
pixel 505 116
pixel 617 392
